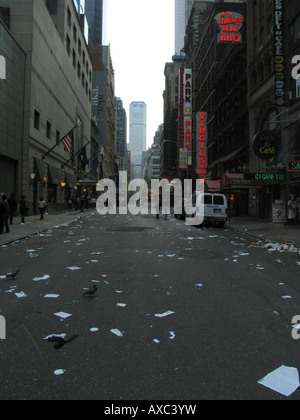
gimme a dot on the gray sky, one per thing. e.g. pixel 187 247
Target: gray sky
pixel 141 36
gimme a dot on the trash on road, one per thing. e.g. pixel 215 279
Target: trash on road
pixel 94 330
pixel 164 314
pixel 59 372
pixel 45 277
pixel 284 380
pixel 21 295
pixel 117 332
pixel 62 315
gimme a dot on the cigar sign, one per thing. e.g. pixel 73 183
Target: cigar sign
pixel 230 25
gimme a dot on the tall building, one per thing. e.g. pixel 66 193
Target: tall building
pixel 183 10
pixel 95 12
pixel 56 97
pixel 121 135
pixel 137 136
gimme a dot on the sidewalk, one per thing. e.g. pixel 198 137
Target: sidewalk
pixel 34 226
pixel 267 231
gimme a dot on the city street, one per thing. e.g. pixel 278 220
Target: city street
pixel 225 309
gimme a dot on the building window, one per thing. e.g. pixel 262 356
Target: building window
pixel 69 17
pixel 57 137
pixel 74 33
pixel 295 31
pixel 37 117
pixel 52 7
pixel 48 130
pixel 79 47
pixel 5 16
pixel 68 46
pixel 74 59
pixel 78 69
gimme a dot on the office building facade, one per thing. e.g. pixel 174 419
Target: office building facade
pixel 137 136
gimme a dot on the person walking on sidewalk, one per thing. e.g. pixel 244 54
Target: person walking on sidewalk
pixel 1 214
pixel 23 209
pixel 6 212
pixel 13 206
pixel 42 207
pixel 292 210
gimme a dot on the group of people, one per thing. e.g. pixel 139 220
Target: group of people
pixel 9 208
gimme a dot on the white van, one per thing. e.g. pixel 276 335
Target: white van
pixel 215 207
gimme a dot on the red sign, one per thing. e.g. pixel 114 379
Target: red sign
pixel 230 25
pixel 202 138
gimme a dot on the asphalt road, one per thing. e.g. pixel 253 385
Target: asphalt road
pixel 231 325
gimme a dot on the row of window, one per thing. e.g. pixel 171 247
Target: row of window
pixel 82 67
pixel 49 129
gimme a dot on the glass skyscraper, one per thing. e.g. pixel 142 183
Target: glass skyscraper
pixel 137 136
pixel 94 10
pixel 183 10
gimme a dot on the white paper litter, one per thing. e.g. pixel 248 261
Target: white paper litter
pixel 62 315
pixel 51 296
pixel 55 335
pixel 284 380
pixel 164 314
pixel 21 295
pixel 94 329
pixel 117 332
pixel 45 277
pixel 156 341
pixel 172 335
pixel 122 305
pixel 59 372
pixel 73 268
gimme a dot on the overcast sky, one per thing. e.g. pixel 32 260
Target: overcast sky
pixel 141 36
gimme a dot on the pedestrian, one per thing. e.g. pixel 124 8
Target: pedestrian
pixel 292 209
pixel 82 203
pixel 159 207
pixel 42 207
pixel 13 206
pixel 23 209
pixel 6 212
pixel 1 214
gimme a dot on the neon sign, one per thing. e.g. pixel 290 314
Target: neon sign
pixel 185 113
pixel 230 25
pixel 202 139
pixel 279 52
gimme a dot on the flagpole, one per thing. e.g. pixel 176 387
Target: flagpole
pixel 76 154
pixel 57 144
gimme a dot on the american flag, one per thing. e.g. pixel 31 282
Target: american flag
pixel 68 142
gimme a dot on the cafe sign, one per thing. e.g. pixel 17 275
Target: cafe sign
pixel 266 145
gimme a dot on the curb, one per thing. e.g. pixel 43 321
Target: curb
pixel 40 231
